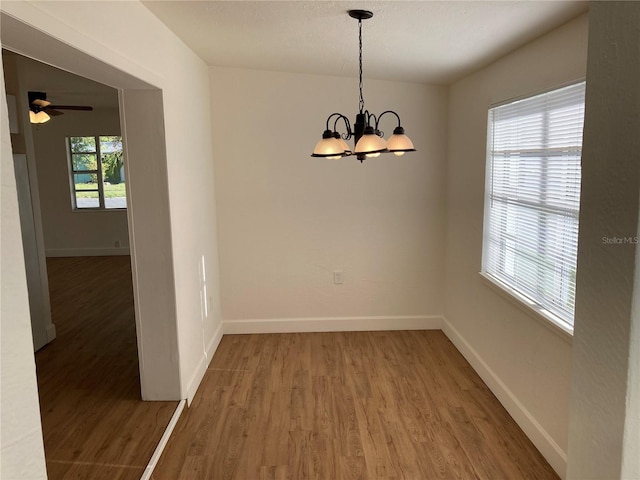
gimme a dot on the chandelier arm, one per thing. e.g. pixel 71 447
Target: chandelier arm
pixel 370 116
pixel 385 112
pixel 347 125
pixel 331 116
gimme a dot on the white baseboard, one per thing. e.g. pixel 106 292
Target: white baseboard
pixel 86 252
pixel 153 461
pixel 333 324
pixel 51 332
pixel 201 369
pixel 215 341
pixel 556 457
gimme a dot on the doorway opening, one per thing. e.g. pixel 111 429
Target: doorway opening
pixel 71 181
pixel 149 235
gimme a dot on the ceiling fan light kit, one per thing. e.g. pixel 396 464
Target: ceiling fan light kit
pixel 368 138
pixel 40 117
pixel 41 110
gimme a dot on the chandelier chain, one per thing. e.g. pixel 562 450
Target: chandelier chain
pixel 361 103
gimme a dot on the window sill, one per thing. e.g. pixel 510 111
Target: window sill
pixel 533 310
pixel 94 210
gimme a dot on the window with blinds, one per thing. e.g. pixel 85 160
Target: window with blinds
pixel 533 199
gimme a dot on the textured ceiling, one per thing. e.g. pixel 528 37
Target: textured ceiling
pixel 418 41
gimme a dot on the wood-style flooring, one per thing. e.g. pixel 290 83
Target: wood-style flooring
pixel 358 405
pixel 94 422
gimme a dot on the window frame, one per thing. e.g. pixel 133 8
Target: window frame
pixel 510 292
pixel 98 172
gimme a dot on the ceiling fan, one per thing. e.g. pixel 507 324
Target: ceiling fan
pixel 41 110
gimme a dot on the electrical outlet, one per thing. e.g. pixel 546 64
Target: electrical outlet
pixel 338 277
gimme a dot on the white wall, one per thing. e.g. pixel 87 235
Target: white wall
pixel 66 233
pixel 287 221
pixel 604 433
pixel 21 448
pixel 527 364
pixel 137 50
pixel 69 233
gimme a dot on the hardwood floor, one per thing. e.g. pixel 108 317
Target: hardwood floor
pixel 94 423
pixel 358 405
pixel 354 405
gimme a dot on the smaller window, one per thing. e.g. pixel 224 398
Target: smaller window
pixel 96 166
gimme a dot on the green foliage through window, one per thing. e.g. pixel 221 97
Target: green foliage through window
pixel 97 172
pixel 112 159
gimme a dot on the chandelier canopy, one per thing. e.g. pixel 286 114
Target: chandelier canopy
pixel 368 138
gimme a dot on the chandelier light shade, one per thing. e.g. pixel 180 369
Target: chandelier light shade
pixel 399 143
pixel 370 143
pixel 330 147
pixel 368 138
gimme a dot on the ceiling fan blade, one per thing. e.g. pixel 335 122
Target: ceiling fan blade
pixel 52 112
pixel 40 103
pixel 71 107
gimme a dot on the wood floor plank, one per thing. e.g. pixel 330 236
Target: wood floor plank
pixel 352 405
pixel 374 442
pixel 94 423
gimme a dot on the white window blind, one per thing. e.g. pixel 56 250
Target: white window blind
pixel 533 198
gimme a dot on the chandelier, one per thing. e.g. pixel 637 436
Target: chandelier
pixel 368 138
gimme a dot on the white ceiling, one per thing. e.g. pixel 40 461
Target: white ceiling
pixel 419 41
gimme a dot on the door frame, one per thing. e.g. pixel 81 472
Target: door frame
pixel 32 254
